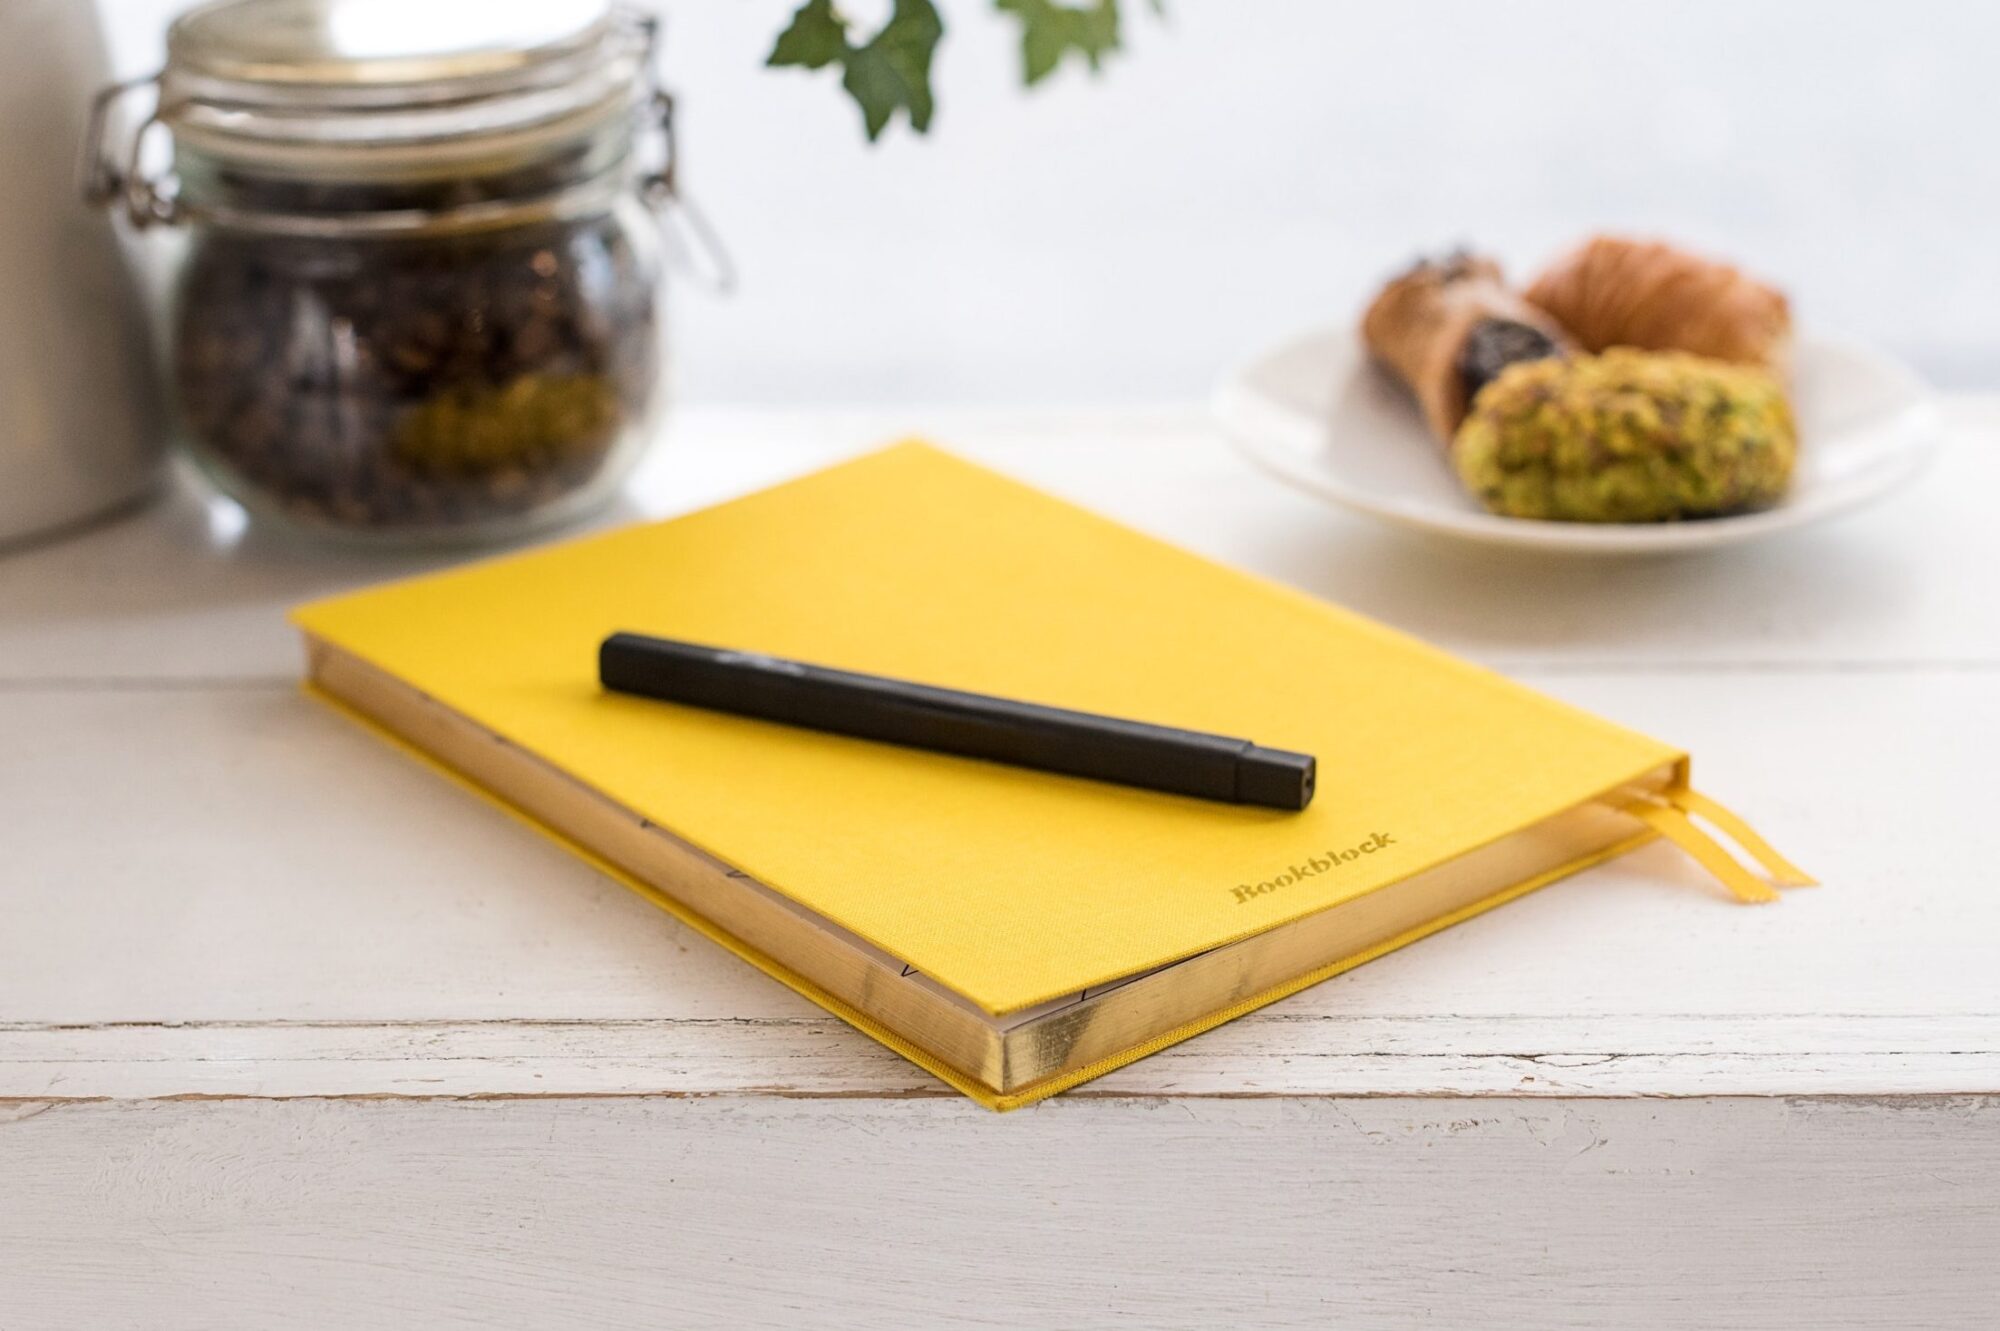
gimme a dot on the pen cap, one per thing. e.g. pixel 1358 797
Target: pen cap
pixel 1275 777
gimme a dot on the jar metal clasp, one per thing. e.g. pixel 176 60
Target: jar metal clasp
pixel 104 176
pixel 695 245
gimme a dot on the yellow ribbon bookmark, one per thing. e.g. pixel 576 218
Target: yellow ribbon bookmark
pixel 1670 819
pixel 1783 872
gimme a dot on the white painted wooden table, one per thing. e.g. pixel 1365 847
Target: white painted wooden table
pixel 293 1032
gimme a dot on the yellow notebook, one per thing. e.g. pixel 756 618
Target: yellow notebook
pixel 1014 931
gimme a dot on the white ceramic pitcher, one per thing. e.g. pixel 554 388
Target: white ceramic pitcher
pixel 80 432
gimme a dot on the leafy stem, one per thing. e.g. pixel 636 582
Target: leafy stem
pixel 890 70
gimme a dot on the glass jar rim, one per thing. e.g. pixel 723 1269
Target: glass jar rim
pixel 355 46
pixel 544 123
pixel 284 85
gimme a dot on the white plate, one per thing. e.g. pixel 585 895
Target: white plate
pixel 1317 413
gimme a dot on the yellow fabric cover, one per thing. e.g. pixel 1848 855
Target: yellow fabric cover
pixel 1008 886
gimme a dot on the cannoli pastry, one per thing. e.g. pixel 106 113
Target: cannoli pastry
pixel 1448 326
pixel 1613 292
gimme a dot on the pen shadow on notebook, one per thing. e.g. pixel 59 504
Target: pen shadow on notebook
pixel 923 774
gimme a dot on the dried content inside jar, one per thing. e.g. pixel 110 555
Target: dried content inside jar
pixel 416 383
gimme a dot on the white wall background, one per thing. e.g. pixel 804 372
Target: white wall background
pixel 1254 166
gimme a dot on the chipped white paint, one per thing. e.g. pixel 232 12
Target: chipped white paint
pixel 282 1013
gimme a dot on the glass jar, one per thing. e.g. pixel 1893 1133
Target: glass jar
pixel 419 292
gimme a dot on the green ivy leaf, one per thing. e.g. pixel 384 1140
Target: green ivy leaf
pixel 1050 31
pixel 816 38
pixel 894 68
pixel 891 71
pixel 888 72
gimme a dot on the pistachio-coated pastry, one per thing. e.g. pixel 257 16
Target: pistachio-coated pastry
pixel 1629 436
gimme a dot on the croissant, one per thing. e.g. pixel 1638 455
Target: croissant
pixel 1448 326
pixel 1614 292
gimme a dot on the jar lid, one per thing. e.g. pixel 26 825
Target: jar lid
pixel 367 88
pixel 378 43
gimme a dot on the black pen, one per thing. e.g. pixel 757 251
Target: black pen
pixel 972 725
